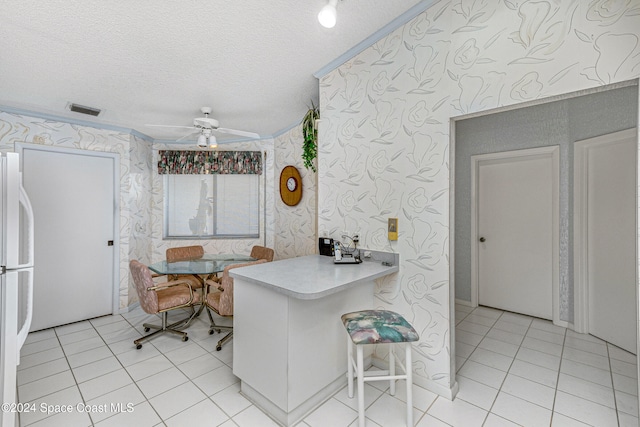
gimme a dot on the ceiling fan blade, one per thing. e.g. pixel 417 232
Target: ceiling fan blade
pixel 187 136
pixel 170 126
pixel 238 132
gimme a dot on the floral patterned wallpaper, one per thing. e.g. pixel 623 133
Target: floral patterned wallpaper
pixel 16 128
pixel 384 137
pixel 139 182
pixel 141 191
pixel 295 226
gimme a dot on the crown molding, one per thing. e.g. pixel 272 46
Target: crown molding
pixel 375 37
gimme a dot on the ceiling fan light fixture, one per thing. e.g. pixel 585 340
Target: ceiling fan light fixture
pixel 213 142
pixel 204 126
pixel 202 141
pixel 328 14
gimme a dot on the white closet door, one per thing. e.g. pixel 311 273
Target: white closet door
pixel 73 199
pixel 515 233
pixel 611 237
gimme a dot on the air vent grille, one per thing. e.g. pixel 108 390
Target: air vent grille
pixel 76 108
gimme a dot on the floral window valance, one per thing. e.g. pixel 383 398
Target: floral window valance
pixel 209 162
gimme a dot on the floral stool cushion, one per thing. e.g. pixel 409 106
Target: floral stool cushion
pixel 378 326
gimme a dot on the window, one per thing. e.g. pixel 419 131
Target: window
pixel 211 206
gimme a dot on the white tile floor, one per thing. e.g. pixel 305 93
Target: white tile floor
pixel 517 370
pixel 512 370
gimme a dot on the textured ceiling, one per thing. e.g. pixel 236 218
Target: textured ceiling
pixel 158 62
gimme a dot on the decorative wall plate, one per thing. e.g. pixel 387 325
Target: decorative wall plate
pixel 290 186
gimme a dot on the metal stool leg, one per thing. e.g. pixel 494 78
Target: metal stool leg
pixel 349 367
pixel 360 385
pixel 392 370
pixel 409 380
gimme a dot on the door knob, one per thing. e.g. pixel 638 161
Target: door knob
pixel 482 239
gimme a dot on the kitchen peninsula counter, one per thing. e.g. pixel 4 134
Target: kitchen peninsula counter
pixel 289 345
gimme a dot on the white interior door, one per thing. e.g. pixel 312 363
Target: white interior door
pixel 517 229
pixel 607 181
pixel 73 198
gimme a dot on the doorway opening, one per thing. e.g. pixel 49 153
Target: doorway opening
pixel 559 120
pixel 514 217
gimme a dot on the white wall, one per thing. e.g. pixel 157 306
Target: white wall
pixel 384 137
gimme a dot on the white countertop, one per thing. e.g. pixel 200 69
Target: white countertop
pixel 312 276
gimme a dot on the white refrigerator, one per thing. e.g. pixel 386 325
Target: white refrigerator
pixel 16 280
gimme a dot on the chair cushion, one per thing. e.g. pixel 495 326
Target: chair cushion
pixel 195 283
pixel 184 252
pixel 143 280
pixel 260 252
pixel 174 296
pixel 222 301
pixel 213 300
pixel 378 326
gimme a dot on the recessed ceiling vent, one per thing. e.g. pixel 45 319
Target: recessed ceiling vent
pixel 76 108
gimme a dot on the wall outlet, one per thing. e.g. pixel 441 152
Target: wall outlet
pixel 392 228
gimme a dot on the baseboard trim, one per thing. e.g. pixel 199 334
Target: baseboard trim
pixel 463 302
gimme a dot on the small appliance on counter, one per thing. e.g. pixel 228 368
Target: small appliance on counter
pixel 325 246
pixel 346 258
pixel 330 247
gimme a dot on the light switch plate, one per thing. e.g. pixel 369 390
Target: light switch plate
pixel 392 228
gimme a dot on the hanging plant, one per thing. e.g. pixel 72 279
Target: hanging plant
pixel 310 135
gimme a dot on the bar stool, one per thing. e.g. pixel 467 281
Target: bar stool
pixel 376 327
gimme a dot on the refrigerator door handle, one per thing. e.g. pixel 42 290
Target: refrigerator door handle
pixel 26 203
pixel 24 330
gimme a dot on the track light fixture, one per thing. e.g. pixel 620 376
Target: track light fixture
pixel 328 14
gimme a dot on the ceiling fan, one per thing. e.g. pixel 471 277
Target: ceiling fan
pixel 205 126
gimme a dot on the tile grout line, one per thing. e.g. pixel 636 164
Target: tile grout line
pixel 126 371
pixel 564 345
pixel 76 385
pixel 74 376
pixel 490 410
pixel 190 380
pixel 555 392
pixel 18 388
pixel 613 387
